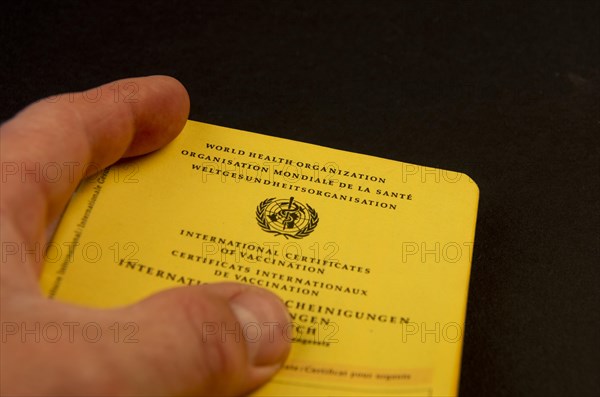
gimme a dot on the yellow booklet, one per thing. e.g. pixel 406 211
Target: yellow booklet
pixel 371 256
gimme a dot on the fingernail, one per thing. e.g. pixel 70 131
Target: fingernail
pixel 265 324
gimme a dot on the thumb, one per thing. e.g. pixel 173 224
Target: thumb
pixel 217 339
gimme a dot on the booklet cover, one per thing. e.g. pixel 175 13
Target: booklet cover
pixel 371 256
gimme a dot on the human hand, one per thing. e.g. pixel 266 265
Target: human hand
pixel 172 356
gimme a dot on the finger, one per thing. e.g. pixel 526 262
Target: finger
pixel 49 146
pixel 229 338
pixel 220 339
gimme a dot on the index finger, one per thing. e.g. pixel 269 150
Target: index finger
pixel 76 134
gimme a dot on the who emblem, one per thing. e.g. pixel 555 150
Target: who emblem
pixel 286 217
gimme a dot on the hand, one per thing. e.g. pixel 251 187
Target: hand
pixel 174 355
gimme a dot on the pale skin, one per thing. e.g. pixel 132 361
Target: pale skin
pixel 173 354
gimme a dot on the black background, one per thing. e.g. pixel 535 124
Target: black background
pixel 506 92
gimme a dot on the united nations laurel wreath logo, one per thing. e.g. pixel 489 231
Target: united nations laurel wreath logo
pixel 286 217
